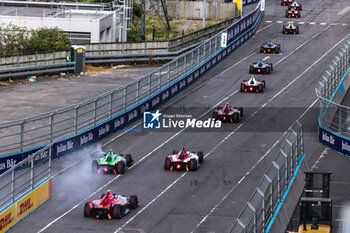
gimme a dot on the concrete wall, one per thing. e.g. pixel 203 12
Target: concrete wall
pixel 195 10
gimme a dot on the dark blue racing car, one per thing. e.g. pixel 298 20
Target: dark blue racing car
pixel 270 47
pixel 260 68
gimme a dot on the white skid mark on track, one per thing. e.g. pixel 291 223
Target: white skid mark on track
pixel 342 12
pixel 265 58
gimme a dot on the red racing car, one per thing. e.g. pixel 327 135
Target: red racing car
pixel 295 6
pixel 228 113
pixel 292 13
pixel 110 206
pixel 183 160
pixel 286 2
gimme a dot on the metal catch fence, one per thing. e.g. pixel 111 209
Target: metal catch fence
pixel 258 212
pixel 333 116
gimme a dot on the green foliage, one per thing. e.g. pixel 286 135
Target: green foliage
pixel 15 40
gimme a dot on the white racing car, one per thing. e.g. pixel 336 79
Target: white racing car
pixel 253 85
pixel 183 160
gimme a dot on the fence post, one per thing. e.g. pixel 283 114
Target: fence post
pixel 253 209
pixel 149 85
pixel 32 173
pixel 53 57
pixel 137 91
pixel 278 180
pixel 159 83
pixel 125 95
pixel 76 119
pixel 185 60
pixel 177 68
pixel 262 208
pixel 168 75
pixel 110 104
pixel 192 59
pixel 13 186
pixel 21 136
pixel 50 158
pixel 209 47
pixel 94 111
pixel 51 126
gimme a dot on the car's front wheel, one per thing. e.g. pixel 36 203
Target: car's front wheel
pixel 87 210
pixel 117 211
pixel 167 163
pixel 120 167
pixel 94 166
pixel 133 202
pixel 193 164
pixel 129 160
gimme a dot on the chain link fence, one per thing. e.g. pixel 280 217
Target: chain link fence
pixel 261 207
pixel 331 90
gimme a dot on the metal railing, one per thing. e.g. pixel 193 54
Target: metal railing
pixel 258 212
pixel 21 181
pixel 333 116
pixel 20 135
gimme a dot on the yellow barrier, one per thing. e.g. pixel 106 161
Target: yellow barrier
pixel 20 209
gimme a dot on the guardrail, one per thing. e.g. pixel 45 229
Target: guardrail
pixel 81 125
pixel 25 71
pixel 334 118
pixel 262 205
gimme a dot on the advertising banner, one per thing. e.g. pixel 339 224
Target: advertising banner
pixel 334 141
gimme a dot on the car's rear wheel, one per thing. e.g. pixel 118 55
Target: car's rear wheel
pixel 216 116
pixel 133 202
pixel 264 83
pixel 117 211
pixel 129 160
pixel 94 166
pixel 271 65
pixel 200 156
pixel 251 69
pixel 235 117
pixel 193 164
pixel 167 163
pixel 240 109
pixel 103 195
pixel 87 210
pixel 260 88
pixel 120 167
pixel 175 152
pixel 242 87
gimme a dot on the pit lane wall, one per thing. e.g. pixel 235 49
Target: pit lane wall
pixel 237 34
pixel 24 206
pixel 334 131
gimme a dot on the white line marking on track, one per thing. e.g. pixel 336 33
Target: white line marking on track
pixel 324 152
pixel 250 170
pixel 279 22
pixel 312 23
pixel 268 21
pixel 345 10
pixel 323 24
pixel 301 23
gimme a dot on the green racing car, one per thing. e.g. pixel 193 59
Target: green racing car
pixel 111 163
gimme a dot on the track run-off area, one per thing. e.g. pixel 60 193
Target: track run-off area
pixel 236 157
